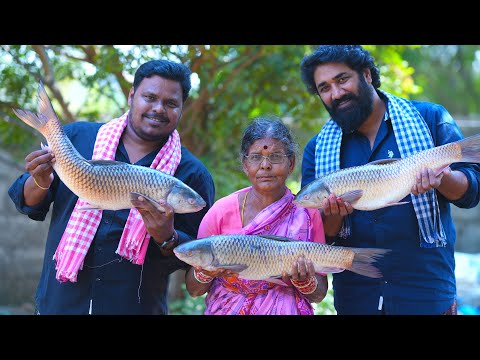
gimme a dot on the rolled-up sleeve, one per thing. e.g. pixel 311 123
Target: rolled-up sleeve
pixel 471 197
pixel 448 131
pixel 37 212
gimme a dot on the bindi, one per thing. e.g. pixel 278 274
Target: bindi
pixel 265 147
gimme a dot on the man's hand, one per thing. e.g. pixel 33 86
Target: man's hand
pixel 157 216
pixel 334 209
pixel 426 180
pixel 334 205
pixel 39 164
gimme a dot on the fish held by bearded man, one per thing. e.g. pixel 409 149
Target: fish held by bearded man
pixel 266 257
pixel 383 183
pixel 105 184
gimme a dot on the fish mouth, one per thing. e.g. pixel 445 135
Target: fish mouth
pixel 191 206
pixel 197 204
pixel 190 209
pixel 198 207
pixel 306 202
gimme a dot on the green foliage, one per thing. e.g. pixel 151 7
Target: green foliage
pixel 187 305
pixel 326 307
pixel 232 85
pixel 449 75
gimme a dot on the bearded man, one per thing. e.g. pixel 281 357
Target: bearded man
pixel 368 124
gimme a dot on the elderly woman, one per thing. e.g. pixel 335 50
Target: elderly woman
pixel 265 207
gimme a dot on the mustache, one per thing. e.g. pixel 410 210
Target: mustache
pixel 337 102
pixel 157 117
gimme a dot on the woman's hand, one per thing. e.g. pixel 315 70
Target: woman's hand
pixel 301 270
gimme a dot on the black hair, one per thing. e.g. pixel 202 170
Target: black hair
pixel 166 69
pixel 354 56
pixel 268 127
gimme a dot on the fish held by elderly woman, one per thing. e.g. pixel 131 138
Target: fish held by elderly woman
pixel 266 257
pixel 384 183
pixel 105 184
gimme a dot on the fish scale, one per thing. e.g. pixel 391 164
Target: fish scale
pixel 106 185
pixel 262 257
pixel 385 182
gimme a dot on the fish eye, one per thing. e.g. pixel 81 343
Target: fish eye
pixel 190 253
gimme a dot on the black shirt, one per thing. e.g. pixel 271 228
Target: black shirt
pixel 108 283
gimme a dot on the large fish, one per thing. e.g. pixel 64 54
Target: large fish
pixel 384 183
pixel 105 184
pixel 266 257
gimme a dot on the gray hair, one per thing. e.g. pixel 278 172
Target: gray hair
pixel 268 127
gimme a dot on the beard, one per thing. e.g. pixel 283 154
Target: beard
pixel 351 117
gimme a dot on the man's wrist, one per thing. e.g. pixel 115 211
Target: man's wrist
pixel 170 243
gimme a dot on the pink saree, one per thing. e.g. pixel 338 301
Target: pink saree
pixel 234 296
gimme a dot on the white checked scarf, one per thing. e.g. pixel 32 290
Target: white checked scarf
pixel 82 225
pixel 412 135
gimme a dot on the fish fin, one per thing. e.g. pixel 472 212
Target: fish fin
pixel 328 269
pixel 363 260
pixel 275 237
pixel 277 281
pixel 134 197
pixel 397 203
pixel 235 267
pixel 352 196
pixel 37 122
pixel 383 161
pixel 87 207
pixel 105 162
pixel 44 105
pixel 440 170
pixel 45 112
pixel 470 149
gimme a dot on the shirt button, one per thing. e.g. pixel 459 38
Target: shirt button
pixel 97 279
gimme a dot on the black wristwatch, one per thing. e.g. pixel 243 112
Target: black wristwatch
pixel 165 245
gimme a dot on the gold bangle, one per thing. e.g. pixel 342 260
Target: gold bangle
pixel 41 187
pixel 201 277
pixel 311 289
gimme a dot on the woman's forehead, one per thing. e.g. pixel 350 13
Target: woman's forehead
pixel 268 144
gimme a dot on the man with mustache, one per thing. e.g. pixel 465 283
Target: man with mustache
pixel 369 124
pixel 90 265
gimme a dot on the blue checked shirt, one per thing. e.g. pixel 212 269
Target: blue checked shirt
pixel 416 280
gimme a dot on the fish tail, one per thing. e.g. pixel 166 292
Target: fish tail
pixel 36 121
pixel 470 149
pixel 363 261
pixel 46 112
pixel 45 106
